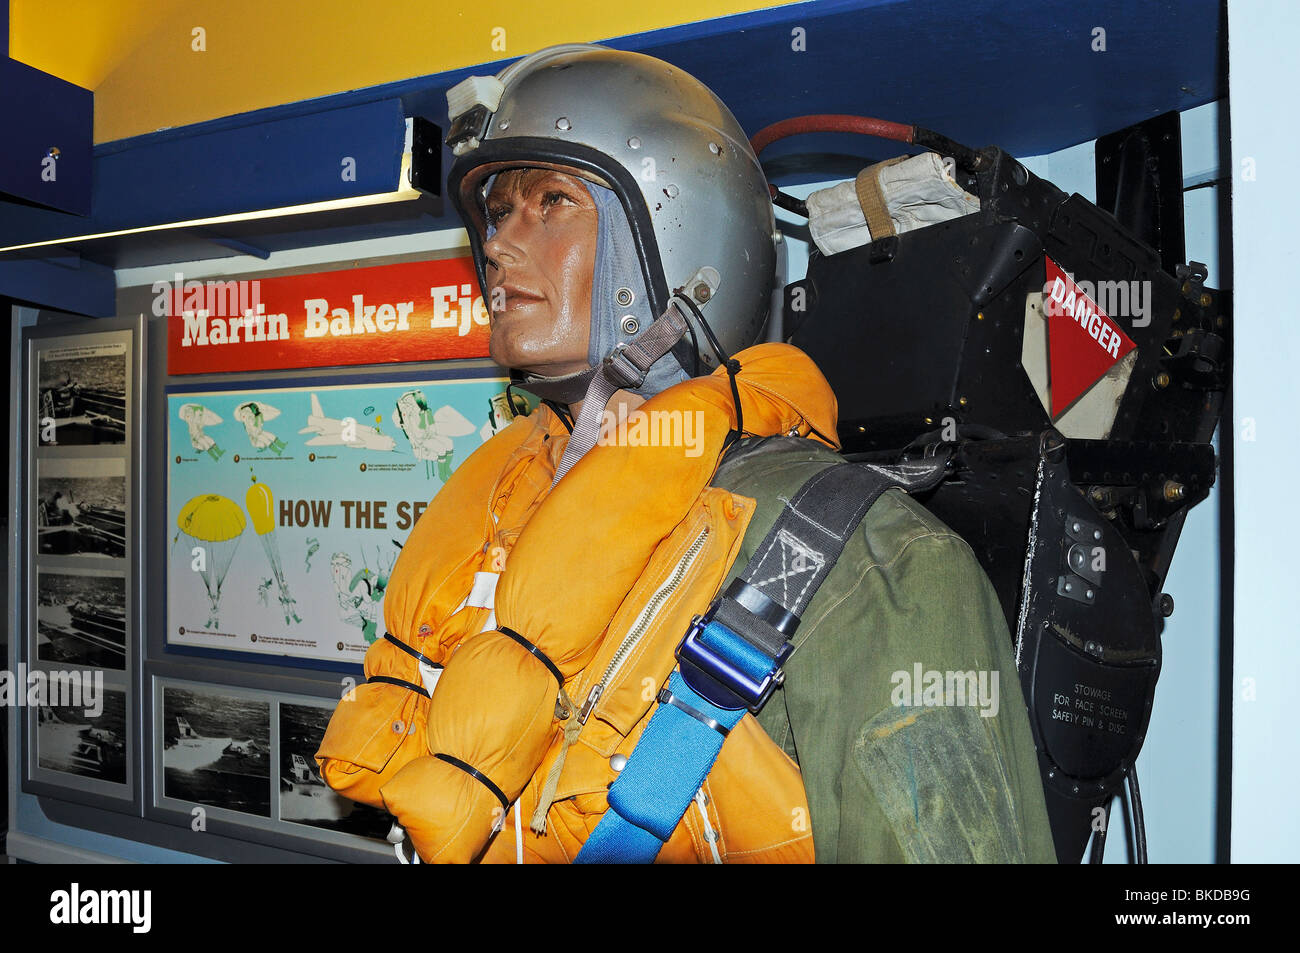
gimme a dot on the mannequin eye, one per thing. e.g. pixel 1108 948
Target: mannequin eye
pixel 495 214
pixel 554 198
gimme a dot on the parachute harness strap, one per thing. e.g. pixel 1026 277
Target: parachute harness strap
pixel 625 366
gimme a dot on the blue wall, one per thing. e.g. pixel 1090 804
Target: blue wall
pixel 1266 207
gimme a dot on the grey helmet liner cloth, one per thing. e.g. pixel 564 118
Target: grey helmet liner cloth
pixel 617 267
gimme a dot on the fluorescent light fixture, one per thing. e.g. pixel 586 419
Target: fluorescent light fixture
pixel 404 193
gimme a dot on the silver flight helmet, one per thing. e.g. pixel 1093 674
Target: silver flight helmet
pixel 692 193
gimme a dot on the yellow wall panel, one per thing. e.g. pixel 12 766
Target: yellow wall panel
pixel 142 57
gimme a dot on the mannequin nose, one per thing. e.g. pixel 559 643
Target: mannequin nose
pixel 504 245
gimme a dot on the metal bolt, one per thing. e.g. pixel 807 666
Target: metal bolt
pixel 1174 491
pixel 563 124
pixel 702 292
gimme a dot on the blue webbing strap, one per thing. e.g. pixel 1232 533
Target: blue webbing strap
pixel 739 669
pixel 647 801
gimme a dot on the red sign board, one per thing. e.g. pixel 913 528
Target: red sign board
pixel 1083 341
pixel 414 311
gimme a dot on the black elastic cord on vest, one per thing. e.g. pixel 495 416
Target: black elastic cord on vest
pixel 410 651
pixel 477 775
pixel 562 413
pixel 410 686
pixel 726 360
pixel 536 652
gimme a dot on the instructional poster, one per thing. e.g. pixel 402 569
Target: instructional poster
pixel 287 506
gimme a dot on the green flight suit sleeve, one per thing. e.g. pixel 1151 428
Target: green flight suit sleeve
pixel 901 760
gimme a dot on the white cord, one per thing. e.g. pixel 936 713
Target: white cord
pixel 710 834
pixel 519 835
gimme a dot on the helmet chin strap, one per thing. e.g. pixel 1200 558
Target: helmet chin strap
pixel 566 389
pixel 624 367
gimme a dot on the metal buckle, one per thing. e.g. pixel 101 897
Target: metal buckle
pixel 624 371
pixel 715 678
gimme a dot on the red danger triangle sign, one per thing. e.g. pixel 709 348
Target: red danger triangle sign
pixel 1083 341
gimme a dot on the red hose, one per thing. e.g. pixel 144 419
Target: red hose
pixel 830 122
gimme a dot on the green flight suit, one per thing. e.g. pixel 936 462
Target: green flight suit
pixel 916 781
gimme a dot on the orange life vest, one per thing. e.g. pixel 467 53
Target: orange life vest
pixel 603 574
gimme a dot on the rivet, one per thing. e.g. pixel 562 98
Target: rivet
pixel 979 316
pixel 1088 594
pixel 624 296
pixel 715 148
pixel 503 124
pixel 618 762
pixel 671 191
pixel 630 324
pixel 634 142
pixel 563 124
pixel 1069 586
pixel 425 630
pixel 963 401
pixel 1205 300
pixel 1096 534
pixel 1074 527
pixel 398 727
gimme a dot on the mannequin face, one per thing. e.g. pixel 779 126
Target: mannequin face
pixel 539 270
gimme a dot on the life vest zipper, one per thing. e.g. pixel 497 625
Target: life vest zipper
pixel 642 624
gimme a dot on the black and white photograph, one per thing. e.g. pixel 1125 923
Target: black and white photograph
pixel 70 740
pixel 304 797
pixel 81 395
pixel 217 750
pixel 81 507
pixel 81 619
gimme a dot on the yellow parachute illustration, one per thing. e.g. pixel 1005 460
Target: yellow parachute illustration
pixel 261 507
pixel 214 525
